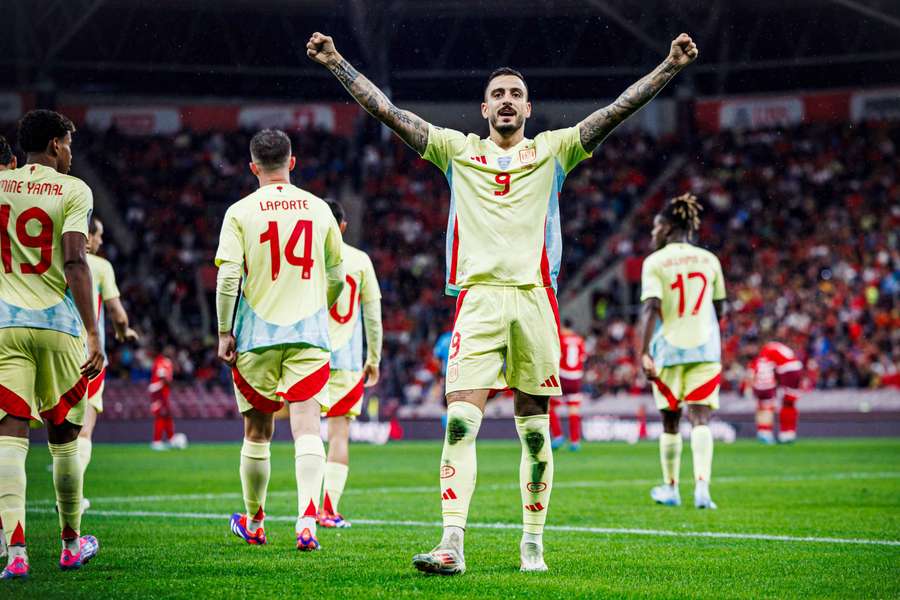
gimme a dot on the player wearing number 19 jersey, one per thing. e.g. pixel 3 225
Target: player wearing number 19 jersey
pixel 45 306
pixel 681 353
pixel 282 247
pixel 503 252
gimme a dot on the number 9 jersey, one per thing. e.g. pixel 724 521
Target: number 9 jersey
pixel 37 206
pixel 686 279
pixel 285 239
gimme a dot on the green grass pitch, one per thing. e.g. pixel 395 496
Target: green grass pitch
pixel 605 537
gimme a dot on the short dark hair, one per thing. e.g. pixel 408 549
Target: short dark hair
pixel 38 127
pixel 92 225
pixel 337 210
pixel 504 71
pixel 6 153
pixel 270 149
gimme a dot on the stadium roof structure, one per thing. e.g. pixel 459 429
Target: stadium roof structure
pixel 566 48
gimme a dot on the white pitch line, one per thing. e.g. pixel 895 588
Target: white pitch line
pixel 516 526
pixel 421 489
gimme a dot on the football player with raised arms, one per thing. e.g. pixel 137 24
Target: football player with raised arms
pixel 503 253
pixel 280 269
pixel 683 293
pixel 358 309
pixel 49 341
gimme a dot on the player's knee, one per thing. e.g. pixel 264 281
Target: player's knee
pixel 258 426
pixel 11 426
pixel 463 422
pixel 527 405
pixel 699 415
pixel 63 433
pixel 671 420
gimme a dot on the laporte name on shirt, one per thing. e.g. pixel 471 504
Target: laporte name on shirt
pixel 283 205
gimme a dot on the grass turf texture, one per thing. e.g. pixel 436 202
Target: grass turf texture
pixel 820 488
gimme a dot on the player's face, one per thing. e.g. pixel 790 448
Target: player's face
pixel 63 148
pixel 95 240
pixel 506 104
pixel 660 231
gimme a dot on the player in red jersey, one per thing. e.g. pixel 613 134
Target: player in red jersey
pixel 160 388
pixel 571 373
pixel 776 366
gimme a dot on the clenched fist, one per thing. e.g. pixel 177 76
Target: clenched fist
pixel 320 48
pixel 683 52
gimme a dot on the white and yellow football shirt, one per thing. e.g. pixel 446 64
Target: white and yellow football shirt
pixel 37 206
pixel 686 279
pixel 504 224
pixel 105 289
pixel 285 240
pixel 345 325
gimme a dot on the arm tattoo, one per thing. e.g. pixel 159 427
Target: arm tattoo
pixel 598 125
pixel 411 128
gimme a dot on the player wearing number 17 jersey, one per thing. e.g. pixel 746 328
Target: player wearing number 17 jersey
pixel 682 294
pixel 503 252
pixel 282 247
pixel 45 305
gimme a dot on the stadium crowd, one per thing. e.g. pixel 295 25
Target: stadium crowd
pixel 804 219
pixel 806 223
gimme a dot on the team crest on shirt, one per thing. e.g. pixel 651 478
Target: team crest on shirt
pixel 453 373
pixel 504 162
pixel 527 155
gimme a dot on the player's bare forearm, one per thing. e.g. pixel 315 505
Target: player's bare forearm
pixel 119 318
pixel 411 128
pixel 650 311
pixel 78 278
pixel 594 129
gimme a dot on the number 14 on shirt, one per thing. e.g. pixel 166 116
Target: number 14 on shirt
pixel 302 229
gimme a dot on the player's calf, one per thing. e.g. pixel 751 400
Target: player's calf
pixel 457 477
pixel 536 480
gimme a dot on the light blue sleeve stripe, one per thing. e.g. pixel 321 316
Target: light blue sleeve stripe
pixel 450 289
pixel 553 230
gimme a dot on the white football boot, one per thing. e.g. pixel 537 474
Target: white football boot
pixel 667 495
pixel 702 498
pixel 446 558
pixel 532 557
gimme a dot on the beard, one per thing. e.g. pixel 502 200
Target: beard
pixel 506 128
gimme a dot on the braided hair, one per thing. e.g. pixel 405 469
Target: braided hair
pixel 683 213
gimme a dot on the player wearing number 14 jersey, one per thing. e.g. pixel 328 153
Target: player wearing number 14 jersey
pixel 282 248
pixel 503 252
pixel 45 307
pixel 682 294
